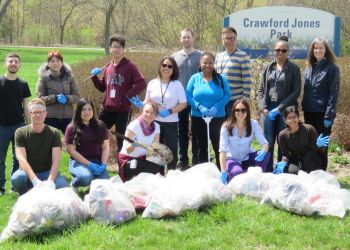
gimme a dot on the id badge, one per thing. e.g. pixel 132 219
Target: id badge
pixel 112 93
pixel 273 95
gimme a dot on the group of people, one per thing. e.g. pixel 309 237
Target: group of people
pixel 193 89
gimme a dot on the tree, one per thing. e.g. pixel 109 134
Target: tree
pixel 3 8
pixel 107 8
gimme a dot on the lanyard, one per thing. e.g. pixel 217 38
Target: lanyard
pixel 222 67
pixel 161 90
pixel 279 74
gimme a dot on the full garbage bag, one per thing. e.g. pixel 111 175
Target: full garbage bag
pixel 43 209
pixel 189 190
pixel 108 202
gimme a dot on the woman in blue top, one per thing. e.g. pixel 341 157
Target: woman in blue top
pixel 321 89
pixel 236 137
pixel 207 92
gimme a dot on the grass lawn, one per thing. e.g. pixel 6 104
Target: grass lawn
pixel 240 224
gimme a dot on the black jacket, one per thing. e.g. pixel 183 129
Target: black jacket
pixel 321 89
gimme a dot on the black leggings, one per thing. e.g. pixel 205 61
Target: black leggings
pixel 310 162
pixel 141 166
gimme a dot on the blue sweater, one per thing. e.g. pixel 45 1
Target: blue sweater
pixel 208 94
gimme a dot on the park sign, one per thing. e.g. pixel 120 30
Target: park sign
pixel 259 28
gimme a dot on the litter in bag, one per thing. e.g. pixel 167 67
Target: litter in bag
pixel 43 209
pixel 109 203
pixel 189 190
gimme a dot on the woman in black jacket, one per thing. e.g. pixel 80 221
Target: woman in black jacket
pixel 321 89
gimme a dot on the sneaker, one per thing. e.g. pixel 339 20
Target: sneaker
pixel 2 191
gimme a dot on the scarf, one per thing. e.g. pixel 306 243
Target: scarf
pixel 145 129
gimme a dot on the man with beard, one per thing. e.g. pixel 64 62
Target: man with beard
pixel 14 93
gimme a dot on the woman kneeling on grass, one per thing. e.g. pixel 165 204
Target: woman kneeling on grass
pixel 87 141
pixel 236 137
pixel 132 157
pixel 300 146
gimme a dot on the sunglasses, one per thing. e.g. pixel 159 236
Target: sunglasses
pixel 281 50
pixel 164 65
pixel 240 110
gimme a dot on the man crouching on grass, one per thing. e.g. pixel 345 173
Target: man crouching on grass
pixel 38 148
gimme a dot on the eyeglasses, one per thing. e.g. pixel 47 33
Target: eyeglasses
pixel 164 65
pixel 240 110
pixel 281 50
pixel 38 112
pixel 232 38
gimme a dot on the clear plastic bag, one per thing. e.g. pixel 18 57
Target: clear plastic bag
pixel 109 203
pixel 196 187
pixel 253 183
pixel 43 209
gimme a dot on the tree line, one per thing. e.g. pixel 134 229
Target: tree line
pixel 151 23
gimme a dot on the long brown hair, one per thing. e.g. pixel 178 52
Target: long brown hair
pixel 231 122
pixel 329 55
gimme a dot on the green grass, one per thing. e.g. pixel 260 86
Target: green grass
pixel 33 58
pixel 240 224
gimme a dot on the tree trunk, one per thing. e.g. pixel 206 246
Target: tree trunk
pixel 3 9
pixel 107 28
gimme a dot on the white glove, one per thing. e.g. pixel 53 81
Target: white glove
pixel 36 181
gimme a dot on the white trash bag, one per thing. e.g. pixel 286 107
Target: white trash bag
pixel 43 209
pixel 109 203
pixel 141 187
pixel 253 183
pixel 196 187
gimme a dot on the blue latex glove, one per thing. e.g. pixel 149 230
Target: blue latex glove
pixel 322 141
pixel 224 176
pixel 203 110
pixel 327 123
pixel 136 101
pixel 96 71
pixel 94 168
pixel 280 167
pixel 273 113
pixel 61 98
pixel 212 112
pixel 165 113
pixel 260 156
pixel 102 167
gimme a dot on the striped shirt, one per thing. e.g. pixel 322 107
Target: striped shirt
pixel 236 68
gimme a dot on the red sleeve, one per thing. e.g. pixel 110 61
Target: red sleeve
pixel 68 136
pixel 138 83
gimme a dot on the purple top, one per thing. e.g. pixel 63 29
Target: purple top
pixel 89 146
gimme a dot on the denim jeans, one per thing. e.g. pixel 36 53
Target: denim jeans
pixel 82 175
pixel 22 184
pixel 7 134
pixel 271 130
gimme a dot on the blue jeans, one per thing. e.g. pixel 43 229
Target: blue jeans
pixel 82 175
pixel 7 134
pixel 271 130
pixel 21 183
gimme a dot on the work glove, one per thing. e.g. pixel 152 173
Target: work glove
pixel 165 113
pixel 94 168
pixel 136 101
pixel 212 112
pixel 36 181
pixel 322 141
pixel 280 167
pixel 61 98
pixel 273 113
pixel 102 167
pixel 96 71
pixel 327 123
pixel 224 177
pixel 203 110
pixel 260 156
